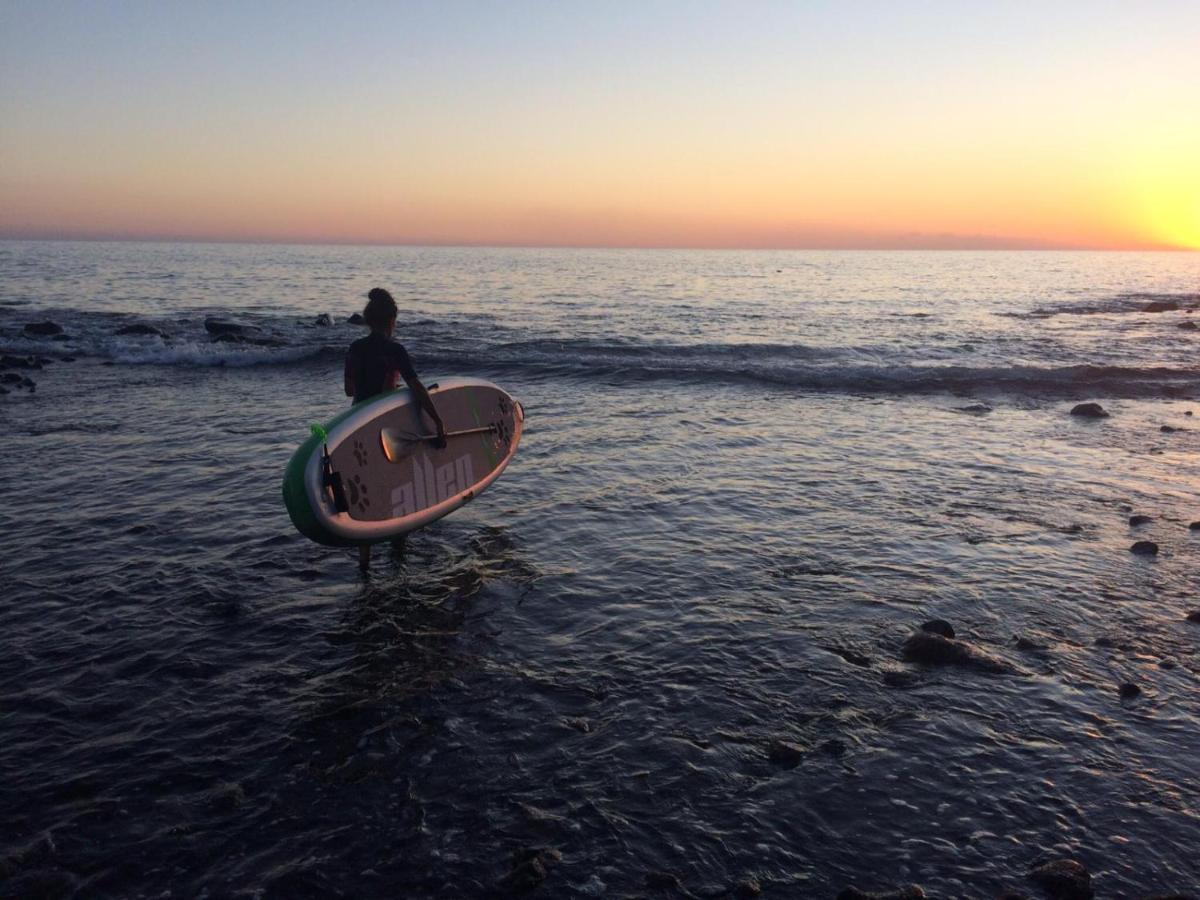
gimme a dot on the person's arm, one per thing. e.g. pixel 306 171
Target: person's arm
pixel 409 374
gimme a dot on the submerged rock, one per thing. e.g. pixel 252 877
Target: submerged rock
pixel 1188 326
pixel 662 881
pixel 935 649
pixel 912 892
pixel 899 678
pixel 1157 306
pixel 939 626
pixel 139 328
pixel 975 409
pixel 222 326
pixel 324 320
pixel 1194 616
pixel 43 329
pixel 747 887
pixel 1064 879
pixel 356 319
pixel 1144 548
pixel 785 753
pixel 1129 690
pixel 1089 411
pixel 1169 429
pixel 20 362
pixel 531 865
pixel 1195 526
pixel 1135 521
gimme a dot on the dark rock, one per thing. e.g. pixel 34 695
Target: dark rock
pixel 531 865
pixel 1129 691
pixel 61 337
pixel 912 892
pixel 579 723
pixel 1064 879
pixel 662 881
pixel 43 329
pixel 1194 616
pixel 1135 521
pixel 939 626
pixel 1188 326
pixel 324 320
pixel 1161 306
pixel 356 319
pixel 785 753
pixel 1144 548
pixel 897 678
pixel 10 378
pixel 934 649
pixel 232 338
pixel 1195 526
pixel 1169 429
pixel 1189 413
pixel 1167 664
pixel 851 656
pixel 834 747
pixel 977 409
pixel 1025 644
pixel 1111 643
pixel 20 362
pixel 1089 411
pixel 747 887
pixel 139 328
pixel 221 326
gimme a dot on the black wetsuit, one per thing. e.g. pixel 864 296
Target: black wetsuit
pixel 373 363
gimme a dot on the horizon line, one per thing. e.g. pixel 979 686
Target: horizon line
pixel 1016 246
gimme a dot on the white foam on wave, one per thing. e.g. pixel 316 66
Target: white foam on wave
pixel 209 355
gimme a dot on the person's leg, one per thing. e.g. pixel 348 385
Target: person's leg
pixel 364 556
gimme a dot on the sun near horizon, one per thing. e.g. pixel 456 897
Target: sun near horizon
pixel 664 125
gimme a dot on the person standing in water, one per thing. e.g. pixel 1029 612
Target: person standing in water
pixel 376 363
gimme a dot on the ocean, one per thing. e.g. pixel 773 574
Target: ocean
pixel 665 652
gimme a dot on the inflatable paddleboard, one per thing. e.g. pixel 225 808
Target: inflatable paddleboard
pixel 373 473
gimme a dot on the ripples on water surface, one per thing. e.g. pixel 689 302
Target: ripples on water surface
pixel 745 478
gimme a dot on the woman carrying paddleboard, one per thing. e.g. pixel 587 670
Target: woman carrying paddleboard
pixel 376 363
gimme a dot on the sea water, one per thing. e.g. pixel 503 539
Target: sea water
pixel 745 479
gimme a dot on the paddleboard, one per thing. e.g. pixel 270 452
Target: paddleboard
pixel 373 473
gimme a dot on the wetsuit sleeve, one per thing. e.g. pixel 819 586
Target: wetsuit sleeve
pixel 348 373
pixel 403 364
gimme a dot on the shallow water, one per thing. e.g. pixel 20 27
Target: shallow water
pixel 745 478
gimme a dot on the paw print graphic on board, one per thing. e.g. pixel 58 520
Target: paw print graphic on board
pixel 356 489
pixel 360 452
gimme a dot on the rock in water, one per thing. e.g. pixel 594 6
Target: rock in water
pixel 1129 691
pixel 1161 306
pixel 220 326
pixel 747 887
pixel 531 865
pixel 324 320
pixel 939 626
pixel 1169 429
pixel 912 892
pixel 1194 616
pixel 662 881
pixel 1064 879
pixel 1188 326
pixel 934 649
pixel 139 328
pixel 1135 521
pixel 1195 526
pixel 785 753
pixel 43 329
pixel 356 319
pixel 1144 548
pixel 1089 411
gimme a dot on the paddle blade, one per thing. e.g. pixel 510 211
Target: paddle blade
pixel 398 445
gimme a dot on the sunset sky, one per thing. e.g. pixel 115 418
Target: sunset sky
pixel 679 124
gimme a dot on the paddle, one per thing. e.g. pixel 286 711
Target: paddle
pixel 399 444
pixel 330 478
